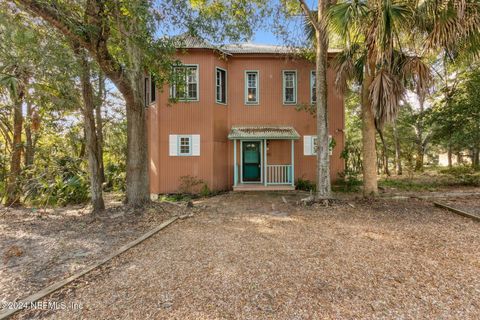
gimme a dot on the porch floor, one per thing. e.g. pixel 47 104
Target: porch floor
pixel 261 187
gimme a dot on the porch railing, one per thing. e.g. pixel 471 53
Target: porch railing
pixel 279 174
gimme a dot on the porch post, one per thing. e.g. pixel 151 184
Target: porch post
pixel 235 169
pixel 265 162
pixel 293 162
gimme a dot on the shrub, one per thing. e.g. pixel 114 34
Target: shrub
pixel 305 185
pixel 458 170
pixel 64 183
pixel 193 186
pixel 115 178
pixel 205 191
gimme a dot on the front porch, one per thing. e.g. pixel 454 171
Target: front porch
pixel 261 187
pixel 255 166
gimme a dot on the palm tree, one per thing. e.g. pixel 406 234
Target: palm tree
pixel 377 57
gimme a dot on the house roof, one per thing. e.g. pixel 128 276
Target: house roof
pixel 258 48
pixel 187 41
pixel 263 132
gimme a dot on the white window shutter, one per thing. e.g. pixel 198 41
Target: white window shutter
pixel 307 145
pixel 173 147
pixel 195 145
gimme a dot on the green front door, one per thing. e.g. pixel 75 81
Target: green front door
pixel 251 161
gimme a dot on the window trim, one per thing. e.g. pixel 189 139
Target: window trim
pixel 312 138
pixel 147 91
pixel 245 100
pixel 313 151
pixel 179 146
pixel 226 86
pixel 312 72
pixel 198 83
pixel 284 87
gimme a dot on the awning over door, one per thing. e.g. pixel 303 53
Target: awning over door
pixel 263 132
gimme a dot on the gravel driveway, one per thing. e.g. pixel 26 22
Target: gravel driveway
pixel 253 256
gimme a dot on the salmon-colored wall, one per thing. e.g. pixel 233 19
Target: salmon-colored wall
pixel 213 121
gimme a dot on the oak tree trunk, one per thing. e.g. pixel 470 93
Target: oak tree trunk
pixel 370 186
pixel 384 153
pixel 459 158
pixel 99 122
pixel 476 158
pixel 449 156
pixel 323 152
pixel 88 110
pixel 398 155
pixel 128 80
pixel 13 187
pixel 29 148
pixel 420 149
pixel 137 168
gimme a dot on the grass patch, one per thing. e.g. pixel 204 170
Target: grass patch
pixel 408 184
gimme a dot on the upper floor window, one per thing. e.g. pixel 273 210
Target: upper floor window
pixel 289 87
pixel 251 87
pixel 149 90
pixel 313 87
pixel 185 84
pixel 221 85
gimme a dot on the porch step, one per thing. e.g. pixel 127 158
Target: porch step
pixel 261 187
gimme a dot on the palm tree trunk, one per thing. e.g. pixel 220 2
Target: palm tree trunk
pixel 370 186
pixel 323 154
pixel 13 187
pixel 90 133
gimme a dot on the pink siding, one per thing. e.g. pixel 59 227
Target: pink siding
pixel 213 121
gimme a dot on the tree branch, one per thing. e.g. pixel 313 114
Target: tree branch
pixel 51 13
pixel 94 41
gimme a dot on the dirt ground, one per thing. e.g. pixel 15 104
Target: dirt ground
pixel 39 247
pixel 262 256
pixel 470 204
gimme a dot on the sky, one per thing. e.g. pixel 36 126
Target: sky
pixel 265 36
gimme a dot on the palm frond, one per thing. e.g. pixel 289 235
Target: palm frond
pixel 386 91
pixel 346 17
pixel 308 27
pixel 414 68
pixel 348 66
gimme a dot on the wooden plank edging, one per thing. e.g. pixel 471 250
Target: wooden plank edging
pixel 4 314
pixel 457 211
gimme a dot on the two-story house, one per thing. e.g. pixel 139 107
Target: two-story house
pixel 236 124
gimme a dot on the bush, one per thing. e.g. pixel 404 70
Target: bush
pixel 305 185
pixel 115 178
pixel 205 191
pixel 66 184
pixel 458 170
pixel 190 185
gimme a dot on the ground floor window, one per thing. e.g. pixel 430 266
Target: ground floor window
pixel 184 145
pixel 310 145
